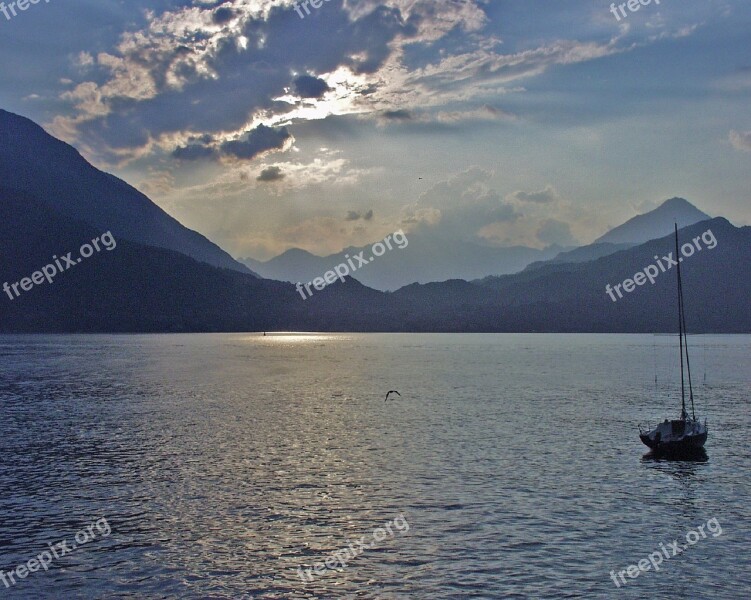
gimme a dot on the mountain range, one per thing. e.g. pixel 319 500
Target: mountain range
pixel 423 260
pixel 427 259
pixel 175 284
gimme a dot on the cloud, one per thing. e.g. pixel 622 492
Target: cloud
pixel 258 141
pixel 484 113
pixel 194 152
pixel 270 174
pixel 356 216
pixel 741 140
pixel 557 232
pixel 157 183
pixel 307 86
pixel 459 207
pixel 223 15
pixel 544 196
pixel 414 217
pixel 397 115
pixel 446 118
pixel 224 68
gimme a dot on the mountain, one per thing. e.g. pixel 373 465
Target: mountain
pixel 293 265
pixel 427 260
pixel 136 288
pixel 655 224
pixel 423 259
pixel 37 164
pixel 573 297
pixel 582 254
pixel 131 288
pixel 642 228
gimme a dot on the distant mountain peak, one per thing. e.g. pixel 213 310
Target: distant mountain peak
pixel 656 223
pixel 297 252
pixel 677 202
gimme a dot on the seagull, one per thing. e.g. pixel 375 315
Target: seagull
pixel 392 392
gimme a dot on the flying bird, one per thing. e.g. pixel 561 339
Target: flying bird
pixel 392 392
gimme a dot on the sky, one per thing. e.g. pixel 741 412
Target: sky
pixel 501 122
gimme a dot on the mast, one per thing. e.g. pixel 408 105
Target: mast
pixel 680 323
pixel 685 343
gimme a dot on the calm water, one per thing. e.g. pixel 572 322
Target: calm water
pixel 222 463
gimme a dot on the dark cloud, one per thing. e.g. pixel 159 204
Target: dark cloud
pixel 255 142
pixel 247 78
pixel 307 86
pixel 258 141
pixel 541 197
pixel 223 15
pixel 270 174
pixel 372 31
pixel 194 152
pixel 356 216
pixel 203 139
pixel 397 115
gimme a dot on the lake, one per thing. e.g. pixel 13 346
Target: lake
pixel 236 465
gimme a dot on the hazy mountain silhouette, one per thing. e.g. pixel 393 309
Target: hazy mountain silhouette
pixel 655 224
pixel 424 260
pixel 582 254
pixel 427 259
pixel 34 162
pixel 642 228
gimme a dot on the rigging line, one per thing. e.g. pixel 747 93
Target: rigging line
pixel 682 316
pixel 685 342
pixel 654 352
pixel 680 324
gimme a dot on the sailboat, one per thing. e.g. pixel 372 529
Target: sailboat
pixel 685 435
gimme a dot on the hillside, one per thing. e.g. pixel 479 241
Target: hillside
pixel 35 163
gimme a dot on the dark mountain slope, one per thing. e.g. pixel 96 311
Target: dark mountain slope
pixel 34 162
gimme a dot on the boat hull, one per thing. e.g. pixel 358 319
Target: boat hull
pixel 676 437
pixel 689 444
